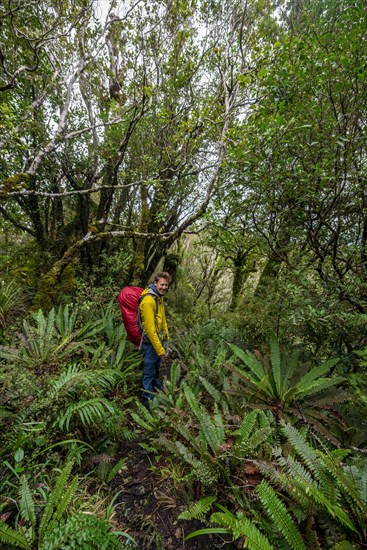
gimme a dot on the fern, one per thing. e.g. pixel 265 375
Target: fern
pixel 212 429
pixel 250 361
pixel 65 499
pixel 55 498
pixel 10 536
pixel 82 531
pixel 279 514
pixel 89 411
pixel 192 401
pixel 319 385
pixel 120 465
pixel 27 508
pixel 75 377
pixel 343 545
pixel 275 360
pixel 314 374
pixel 212 391
pixel 199 509
pixel 302 448
pixel 246 427
pixel 241 526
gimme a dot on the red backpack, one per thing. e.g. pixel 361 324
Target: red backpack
pixel 129 300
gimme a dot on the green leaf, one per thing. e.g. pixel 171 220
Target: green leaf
pixel 278 512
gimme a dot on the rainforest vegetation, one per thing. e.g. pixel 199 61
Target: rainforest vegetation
pixel 223 141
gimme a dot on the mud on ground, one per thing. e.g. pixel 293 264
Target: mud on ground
pixel 148 507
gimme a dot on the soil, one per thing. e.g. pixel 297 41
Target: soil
pixel 149 506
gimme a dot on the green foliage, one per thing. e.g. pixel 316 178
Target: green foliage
pixel 82 531
pixel 279 515
pixel 289 388
pixel 50 341
pixel 198 509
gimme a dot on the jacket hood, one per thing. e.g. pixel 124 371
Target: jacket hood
pixel 151 290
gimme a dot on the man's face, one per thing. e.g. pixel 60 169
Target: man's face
pixel 162 286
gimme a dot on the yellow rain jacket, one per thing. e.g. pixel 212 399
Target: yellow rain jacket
pixel 153 319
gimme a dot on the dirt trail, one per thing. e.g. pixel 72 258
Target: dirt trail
pixel 148 507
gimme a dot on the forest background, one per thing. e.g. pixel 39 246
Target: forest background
pixel 224 142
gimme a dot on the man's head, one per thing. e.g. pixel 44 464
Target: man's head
pixel 162 281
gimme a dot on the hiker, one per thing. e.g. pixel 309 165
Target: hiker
pixel 154 344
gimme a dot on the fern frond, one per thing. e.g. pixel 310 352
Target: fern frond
pixel 192 401
pixel 346 485
pixel 65 499
pixel 10 536
pixel 242 527
pixel 250 361
pixel 198 509
pixel 302 448
pixel 212 391
pixel 259 437
pixel 54 498
pixel 212 429
pixel 175 374
pixel 321 499
pixel 89 411
pixel 27 508
pixel 279 514
pixel 343 545
pixel 318 386
pixel 315 373
pixel 246 427
pixel 120 465
pixel 275 361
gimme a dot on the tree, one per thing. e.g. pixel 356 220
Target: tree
pixel 120 116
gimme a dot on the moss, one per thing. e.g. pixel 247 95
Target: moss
pixel 14 183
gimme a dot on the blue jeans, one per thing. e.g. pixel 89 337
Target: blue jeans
pixel 151 365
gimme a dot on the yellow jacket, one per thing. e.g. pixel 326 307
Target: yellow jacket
pixel 153 319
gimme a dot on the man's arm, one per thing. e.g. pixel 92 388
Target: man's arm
pixel 148 312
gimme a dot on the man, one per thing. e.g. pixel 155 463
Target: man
pixel 154 332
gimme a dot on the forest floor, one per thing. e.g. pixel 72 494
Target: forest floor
pixel 149 506
pixel 150 501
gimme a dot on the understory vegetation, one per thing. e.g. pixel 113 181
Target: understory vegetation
pixel 263 447
pixel 222 141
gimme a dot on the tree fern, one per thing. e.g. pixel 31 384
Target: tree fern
pixel 198 509
pixel 279 514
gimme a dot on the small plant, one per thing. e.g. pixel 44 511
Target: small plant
pixel 48 342
pixel 290 389
pixel 52 530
